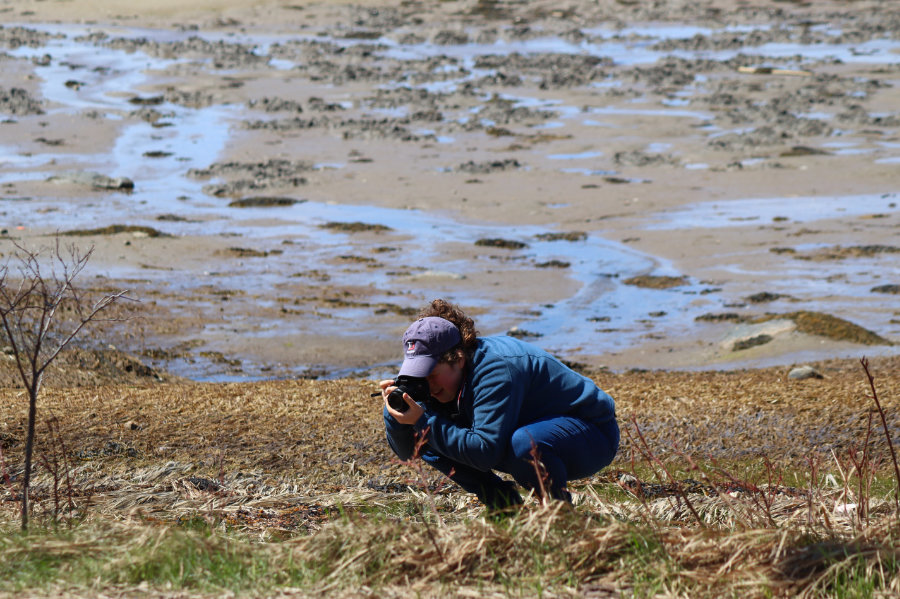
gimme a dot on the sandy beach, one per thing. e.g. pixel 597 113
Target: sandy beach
pixel 690 185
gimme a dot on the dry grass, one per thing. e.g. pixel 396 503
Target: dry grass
pixel 300 472
pixel 566 550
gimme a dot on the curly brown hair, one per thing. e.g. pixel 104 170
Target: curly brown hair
pixel 466 326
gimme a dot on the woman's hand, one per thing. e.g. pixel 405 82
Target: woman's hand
pixel 411 415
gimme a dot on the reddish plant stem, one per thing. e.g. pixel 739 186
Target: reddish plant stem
pixel 543 477
pixel 69 469
pixel 644 448
pixel 887 432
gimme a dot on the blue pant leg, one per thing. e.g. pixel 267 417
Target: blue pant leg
pixel 492 491
pixel 569 449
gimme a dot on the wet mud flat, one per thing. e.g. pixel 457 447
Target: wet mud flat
pixel 284 187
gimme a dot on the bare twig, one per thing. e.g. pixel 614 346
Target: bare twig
pixel 639 486
pixel 732 502
pixel 28 315
pixel 59 467
pixel 645 450
pixel 887 432
pixel 51 465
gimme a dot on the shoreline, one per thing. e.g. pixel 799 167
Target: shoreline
pixel 585 169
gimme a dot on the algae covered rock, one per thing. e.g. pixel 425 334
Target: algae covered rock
pixel 832 327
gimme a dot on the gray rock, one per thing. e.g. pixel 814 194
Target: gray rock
pixel 804 372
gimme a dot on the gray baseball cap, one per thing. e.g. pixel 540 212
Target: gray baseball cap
pixel 424 342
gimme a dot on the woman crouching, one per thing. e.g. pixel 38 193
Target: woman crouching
pixel 490 401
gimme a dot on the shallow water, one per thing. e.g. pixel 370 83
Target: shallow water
pixel 759 211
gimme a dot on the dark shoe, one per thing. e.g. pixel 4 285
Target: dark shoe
pixel 500 497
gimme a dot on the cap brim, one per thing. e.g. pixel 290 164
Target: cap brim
pixel 418 366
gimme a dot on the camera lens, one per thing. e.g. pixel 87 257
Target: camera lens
pixel 396 401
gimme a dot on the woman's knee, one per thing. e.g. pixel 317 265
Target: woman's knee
pixel 522 444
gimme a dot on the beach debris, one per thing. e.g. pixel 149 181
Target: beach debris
pixel 895 289
pixel 150 115
pixel 774 71
pixel 567 236
pixel 751 342
pixel 519 332
pixel 640 158
pixel 264 202
pixel 276 105
pixel 447 37
pixel 804 372
pixel 722 317
pixel 240 252
pixel 150 101
pixel 496 242
pixel 50 142
pixel 18 102
pixel 253 176
pixel 838 252
pixel 858 115
pixel 481 168
pixel 135 230
pixel 764 296
pixel 499 132
pixel 804 151
pixel 553 264
pixel 354 227
pixel 95 180
pixel 656 282
pixel 385 308
pixel 371 262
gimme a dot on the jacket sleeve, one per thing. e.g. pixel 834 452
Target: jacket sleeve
pixel 401 437
pixel 497 397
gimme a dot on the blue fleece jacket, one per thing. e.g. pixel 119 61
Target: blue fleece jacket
pixel 508 384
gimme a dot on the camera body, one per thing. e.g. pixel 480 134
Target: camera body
pixel 416 387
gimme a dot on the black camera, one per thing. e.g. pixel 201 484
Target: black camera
pixel 416 387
